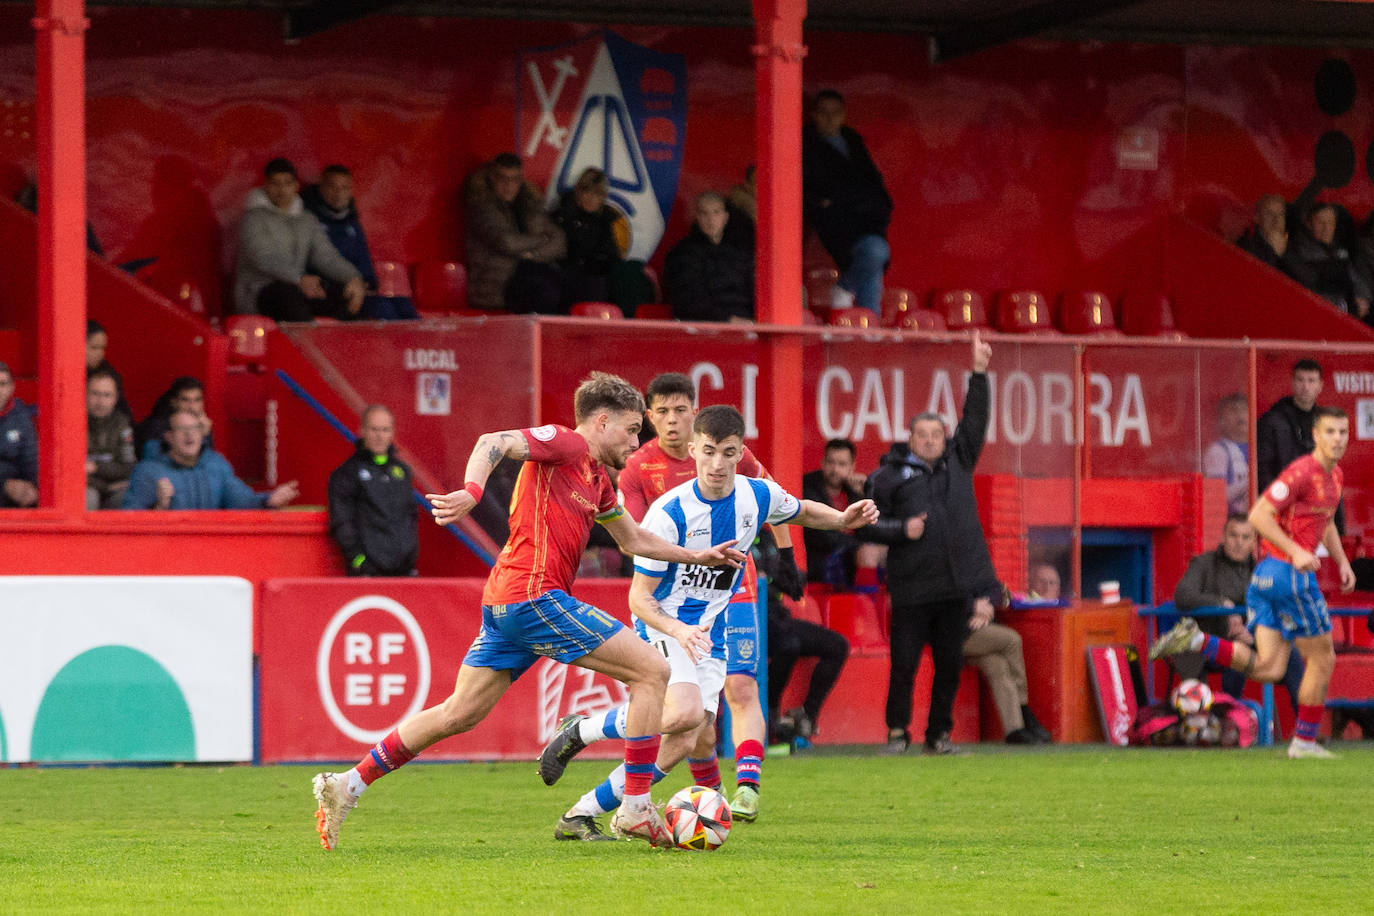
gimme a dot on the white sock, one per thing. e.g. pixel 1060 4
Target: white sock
pixel 1196 642
pixel 637 802
pixel 355 783
pixel 609 725
pixel 605 797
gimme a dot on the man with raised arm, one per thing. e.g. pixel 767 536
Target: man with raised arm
pixel 1295 514
pixel 526 609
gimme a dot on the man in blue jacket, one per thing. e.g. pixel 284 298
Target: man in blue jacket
pixel 188 476
pixel 18 447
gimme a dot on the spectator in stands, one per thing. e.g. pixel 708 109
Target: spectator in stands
pixel 18 448
pixel 513 248
pixel 1333 273
pixel 97 344
pixel 287 268
pixel 332 203
pixel 1044 582
pixel 1228 457
pixel 110 456
pixel 996 651
pixel 1220 578
pixel 372 509
pixel 939 571
pixel 846 201
pixel 789 641
pixel 591 228
pixel 742 205
pixel 704 278
pixel 185 393
pixel 1283 433
pixel 1268 239
pixel 837 558
pixel 187 474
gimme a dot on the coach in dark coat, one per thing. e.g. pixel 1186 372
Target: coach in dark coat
pixel 1283 433
pixel 372 511
pixel 939 571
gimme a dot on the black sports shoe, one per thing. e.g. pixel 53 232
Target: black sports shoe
pixel 565 744
pixel 579 827
pixel 1033 724
pixel 940 747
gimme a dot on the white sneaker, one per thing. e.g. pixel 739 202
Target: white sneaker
pixel 841 298
pixel 1300 748
pixel 641 824
pixel 331 791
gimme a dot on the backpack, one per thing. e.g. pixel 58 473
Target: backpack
pixel 1229 723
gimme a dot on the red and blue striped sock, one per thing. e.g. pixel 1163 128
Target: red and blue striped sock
pixel 387 755
pixel 1218 650
pixel 640 754
pixel 748 764
pixel 705 772
pixel 1309 720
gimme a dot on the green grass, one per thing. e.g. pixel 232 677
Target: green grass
pixel 1084 829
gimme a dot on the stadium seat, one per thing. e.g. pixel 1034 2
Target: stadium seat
pixel 1086 312
pixel 852 318
pixel 248 338
pixel 654 311
pixel 605 310
pixel 183 292
pixel 1024 311
pixel 392 279
pixel 896 303
pixel 1149 315
pixel 440 286
pixel 921 320
pixel 811 319
pixel 819 282
pixel 855 617
pixel 963 309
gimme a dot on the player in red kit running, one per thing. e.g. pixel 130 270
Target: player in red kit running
pixel 1295 514
pixel 657 467
pixel 526 608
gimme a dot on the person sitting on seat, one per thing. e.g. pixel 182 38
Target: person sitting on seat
pixel 705 278
pixel 513 248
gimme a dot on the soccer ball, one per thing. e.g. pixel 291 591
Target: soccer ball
pixel 698 818
pixel 1191 697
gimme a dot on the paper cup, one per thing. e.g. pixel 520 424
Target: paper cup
pixel 1111 592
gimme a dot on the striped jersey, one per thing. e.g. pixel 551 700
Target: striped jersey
pixel 682 516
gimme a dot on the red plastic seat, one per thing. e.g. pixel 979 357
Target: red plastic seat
pixel 604 310
pixel 811 319
pixel 440 286
pixel 248 337
pixel 855 617
pixel 921 320
pixel 852 318
pixel 819 281
pixel 392 279
pixel 1024 311
pixel 963 308
pixel 1149 315
pixel 1087 312
pixel 655 311
pixel 896 303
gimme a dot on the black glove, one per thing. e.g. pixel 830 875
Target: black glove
pixel 788 578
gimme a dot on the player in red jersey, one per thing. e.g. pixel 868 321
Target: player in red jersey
pixel 1295 514
pixel 526 608
pixel 656 467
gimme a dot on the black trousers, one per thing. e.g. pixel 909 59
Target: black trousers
pixel 943 625
pixel 790 639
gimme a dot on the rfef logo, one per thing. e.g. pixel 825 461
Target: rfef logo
pixel 607 103
pixel 372 669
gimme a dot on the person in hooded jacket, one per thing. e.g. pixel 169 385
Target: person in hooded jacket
pixel 372 511
pixel 287 269
pixel 939 571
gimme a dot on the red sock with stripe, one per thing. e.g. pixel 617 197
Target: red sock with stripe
pixel 705 772
pixel 387 755
pixel 748 764
pixel 1309 721
pixel 640 754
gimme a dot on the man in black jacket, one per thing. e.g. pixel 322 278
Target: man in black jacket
pixel 939 571
pixel 1283 433
pixel 830 554
pixel 845 200
pixel 372 512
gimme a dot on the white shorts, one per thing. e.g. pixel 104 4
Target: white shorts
pixel 708 675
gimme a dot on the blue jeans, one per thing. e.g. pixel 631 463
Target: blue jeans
pixel 864 278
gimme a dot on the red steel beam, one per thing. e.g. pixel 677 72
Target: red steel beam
pixel 61 130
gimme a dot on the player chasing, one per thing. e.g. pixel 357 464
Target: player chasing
pixel 1294 515
pixel 678 607
pixel 656 467
pixel 526 608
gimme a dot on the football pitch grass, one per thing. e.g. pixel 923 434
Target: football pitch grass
pixel 1076 829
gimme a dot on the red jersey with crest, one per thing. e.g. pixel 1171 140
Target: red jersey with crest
pixel 1305 495
pixel 650 472
pixel 561 490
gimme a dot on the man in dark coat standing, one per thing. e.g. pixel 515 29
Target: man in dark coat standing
pixel 1283 433
pixel 372 511
pixel 939 571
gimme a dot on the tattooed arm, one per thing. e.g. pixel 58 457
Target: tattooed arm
pixel 448 508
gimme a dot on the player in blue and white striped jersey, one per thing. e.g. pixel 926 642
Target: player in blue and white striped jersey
pixel 678 607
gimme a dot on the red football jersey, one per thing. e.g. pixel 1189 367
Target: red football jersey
pixel 1305 495
pixel 561 490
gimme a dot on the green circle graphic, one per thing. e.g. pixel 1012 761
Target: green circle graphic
pixel 113 703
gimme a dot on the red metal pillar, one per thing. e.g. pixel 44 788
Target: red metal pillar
pixel 778 269
pixel 61 100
